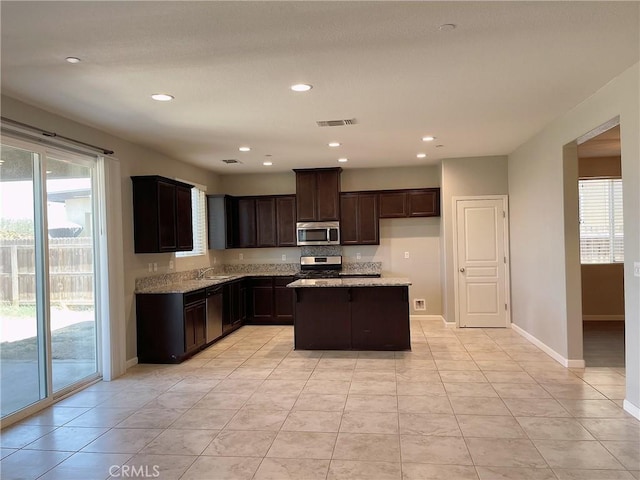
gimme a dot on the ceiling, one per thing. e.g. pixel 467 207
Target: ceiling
pixel 484 88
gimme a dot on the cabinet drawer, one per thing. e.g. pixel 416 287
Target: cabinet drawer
pixel 194 297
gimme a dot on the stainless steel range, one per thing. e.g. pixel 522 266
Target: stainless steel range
pixel 320 267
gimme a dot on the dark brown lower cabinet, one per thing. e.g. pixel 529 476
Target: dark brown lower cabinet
pixel 234 305
pixel 270 301
pixel 358 318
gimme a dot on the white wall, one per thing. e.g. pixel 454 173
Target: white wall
pixel 460 177
pixel 540 247
pixel 134 160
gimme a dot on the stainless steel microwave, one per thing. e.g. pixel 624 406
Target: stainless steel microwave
pixel 318 233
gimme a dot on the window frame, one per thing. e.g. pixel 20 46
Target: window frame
pixel 198 221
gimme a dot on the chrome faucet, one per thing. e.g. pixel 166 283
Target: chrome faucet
pixel 201 274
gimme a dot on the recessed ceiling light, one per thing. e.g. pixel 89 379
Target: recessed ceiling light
pixel 428 138
pixel 301 87
pixel 245 149
pixel 447 27
pixel 421 155
pixel 343 160
pixel 73 60
pixel 335 144
pixel 162 97
pixel 267 164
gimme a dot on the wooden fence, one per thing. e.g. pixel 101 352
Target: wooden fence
pixel 70 271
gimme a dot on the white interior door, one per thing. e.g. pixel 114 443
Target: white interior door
pixel 481 262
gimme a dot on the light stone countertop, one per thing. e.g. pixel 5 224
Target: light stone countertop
pixel 351 282
pixel 194 284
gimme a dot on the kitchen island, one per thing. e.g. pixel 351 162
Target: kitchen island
pixel 352 314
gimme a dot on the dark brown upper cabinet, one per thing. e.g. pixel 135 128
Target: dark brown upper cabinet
pixel 419 202
pixel 161 215
pixel 247 222
pixel 286 220
pixel 266 226
pixel 359 218
pixel 318 194
pixel 222 221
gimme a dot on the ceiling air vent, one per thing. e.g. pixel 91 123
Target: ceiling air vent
pixel 336 123
pixel 231 160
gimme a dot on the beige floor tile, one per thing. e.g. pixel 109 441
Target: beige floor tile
pixel 19 435
pixel 424 404
pixel 417 375
pixel 623 429
pixel 482 390
pixel 419 388
pixel 590 455
pixel 101 417
pixel 458 376
pixel 332 375
pixel 603 378
pixel 354 470
pixel 424 471
pixel 497 365
pixel 520 390
pixel 372 403
pixel 222 468
pixel 578 474
pixel 180 442
pixel 272 400
pixel 152 418
pixel 67 439
pixel 627 453
pixel 319 402
pixel 223 400
pixel 498 452
pixel 310 445
pixel 123 440
pixel 593 408
pixel 256 419
pixel 536 407
pixel 613 392
pixel 369 422
pixel 378 364
pixel 429 424
pixel 361 375
pixel 167 467
pixel 292 469
pixel 87 466
pixel 509 377
pixel 238 385
pixel 250 373
pixel 471 406
pixel 434 449
pixel 287 373
pixel 312 421
pixel 576 391
pixel 554 428
pixel 204 419
pixel 231 443
pixel 464 365
pixel 5 452
pixel 372 388
pixel 327 387
pixel 367 447
pixel 55 416
pixel 197 384
pixel 512 473
pixel 490 426
pixel 30 464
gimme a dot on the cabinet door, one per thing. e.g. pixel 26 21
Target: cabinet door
pixel 246 222
pixel 322 319
pixel 380 318
pixel 266 222
pixel 184 225
pixel 262 300
pixel 368 223
pixel 306 196
pixel 190 320
pixel 167 240
pixel 286 221
pixel 423 203
pixel 349 219
pixel 393 204
pixel 283 299
pixel 328 195
pixel 200 324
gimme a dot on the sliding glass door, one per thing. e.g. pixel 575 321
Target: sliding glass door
pixel 48 324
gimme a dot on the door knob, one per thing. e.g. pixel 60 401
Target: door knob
pixel 461 269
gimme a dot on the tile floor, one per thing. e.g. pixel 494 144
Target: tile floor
pixel 463 404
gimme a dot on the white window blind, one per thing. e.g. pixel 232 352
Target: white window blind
pixel 601 224
pixel 198 215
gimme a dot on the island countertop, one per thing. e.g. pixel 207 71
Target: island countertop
pixel 351 282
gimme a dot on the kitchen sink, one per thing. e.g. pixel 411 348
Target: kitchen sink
pixel 217 277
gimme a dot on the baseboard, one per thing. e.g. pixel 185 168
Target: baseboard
pixel 425 317
pixel 132 362
pixel 601 318
pixel 631 408
pixel 565 362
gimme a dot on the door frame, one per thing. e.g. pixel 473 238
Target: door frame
pixel 507 279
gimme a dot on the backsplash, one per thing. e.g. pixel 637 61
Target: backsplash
pixel 280 268
pixel 363 267
pixel 175 277
pixel 321 251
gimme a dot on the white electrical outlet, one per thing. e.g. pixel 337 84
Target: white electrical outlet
pixel 151 267
pixel 241 256
pixel 155 267
pixel 358 256
pixel 284 257
pixel 406 254
pixel 419 304
pixel 170 264
pixel 636 269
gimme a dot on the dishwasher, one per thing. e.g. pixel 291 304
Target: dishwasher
pixel 214 313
